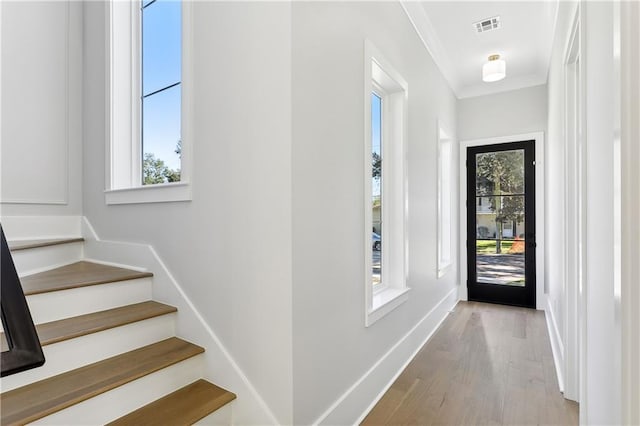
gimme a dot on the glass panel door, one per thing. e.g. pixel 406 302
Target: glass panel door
pixel 501 223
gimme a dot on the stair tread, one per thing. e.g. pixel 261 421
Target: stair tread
pixel 182 407
pixel 39 399
pixel 79 274
pixel 44 242
pixel 69 328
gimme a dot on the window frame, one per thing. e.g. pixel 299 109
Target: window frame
pixel 444 260
pixel 380 77
pixel 123 156
pixel 381 94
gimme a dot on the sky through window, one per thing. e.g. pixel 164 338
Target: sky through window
pixel 161 78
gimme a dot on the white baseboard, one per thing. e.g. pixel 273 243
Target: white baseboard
pixel 220 367
pixel 557 347
pixel 463 292
pixel 34 227
pixel 353 406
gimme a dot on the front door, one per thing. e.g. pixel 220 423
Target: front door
pixel 501 225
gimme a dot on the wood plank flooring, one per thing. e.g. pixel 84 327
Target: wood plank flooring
pixel 182 407
pixel 486 365
pixel 79 274
pixel 69 328
pixel 29 244
pixel 39 399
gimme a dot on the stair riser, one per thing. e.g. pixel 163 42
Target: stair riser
pixel 223 416
pixel 111 405
pixel 34 260
pixel 75 353
pixel 46 307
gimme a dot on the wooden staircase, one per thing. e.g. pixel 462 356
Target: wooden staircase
pixel 111 352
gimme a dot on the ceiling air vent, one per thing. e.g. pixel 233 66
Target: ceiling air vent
pixel 487 24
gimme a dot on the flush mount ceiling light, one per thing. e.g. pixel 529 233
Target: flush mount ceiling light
pixel 494 70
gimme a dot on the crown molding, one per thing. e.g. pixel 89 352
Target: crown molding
pixel 506 85
pixel 425 30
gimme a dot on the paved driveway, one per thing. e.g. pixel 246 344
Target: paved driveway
pixel 506 269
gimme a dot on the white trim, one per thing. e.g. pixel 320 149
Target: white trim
pixel 250 408
pixel 443 137
pixel 356 402
pixel 574 211
pixel 36 227
pixel 618 219
pixel 64 168
pixel 630 105
pixel 557 348
pixel 159 193
pixel 63 202
pixel 120 80
pixel 538 137
pixel 381 77
pixel 427 34
pixel 188 94
pixel 385 301
pixel 123 160
pixel 582 296
pixel 67 102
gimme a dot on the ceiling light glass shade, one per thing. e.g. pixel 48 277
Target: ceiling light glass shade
pixel 494 70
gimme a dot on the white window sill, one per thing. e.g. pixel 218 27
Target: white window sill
pixel 443 269
pixel 385 301
pixel 159 193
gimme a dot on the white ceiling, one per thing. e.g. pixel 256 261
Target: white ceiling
pixel 524 41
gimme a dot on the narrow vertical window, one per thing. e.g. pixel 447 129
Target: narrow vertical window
pixel 376 188
pixel 444 202
pixel 385 251
pixel 160 97
pixel 149 99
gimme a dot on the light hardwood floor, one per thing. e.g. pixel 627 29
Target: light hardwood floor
pixel 486 365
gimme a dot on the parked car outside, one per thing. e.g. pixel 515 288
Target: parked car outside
pixel 377 241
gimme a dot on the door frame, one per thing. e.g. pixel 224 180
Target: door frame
pixel 538 137
pixel 483 290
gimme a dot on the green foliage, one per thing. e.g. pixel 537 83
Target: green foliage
pixel 499 173
pixel 376 165
pixel 502 173
pixel 487 247
pixel 155 171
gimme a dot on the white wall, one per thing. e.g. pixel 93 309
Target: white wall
pixel 601 372
pixel 40 120
pixel 229 248
pixel 602 364
pixel 333 351
pixel 270 248
pixel 555 215
pixel 630 153
pixel 502 114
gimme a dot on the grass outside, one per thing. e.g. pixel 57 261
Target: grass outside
pixel 489 247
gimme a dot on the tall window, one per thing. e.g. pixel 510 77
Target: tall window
pixel 149 126
pixel 444 201
pixel 160 97
pixel 385 187
pixel 376 188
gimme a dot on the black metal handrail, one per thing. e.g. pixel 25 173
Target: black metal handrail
pixel 25 351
